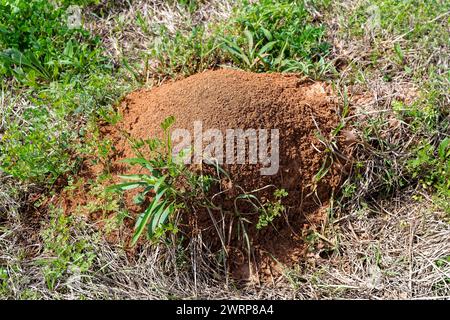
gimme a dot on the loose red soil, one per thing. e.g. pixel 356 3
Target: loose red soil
pixel 228 99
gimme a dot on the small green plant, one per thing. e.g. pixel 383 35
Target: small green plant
pixel 428 159
pixel 65 254
pixel 185 53
pixel 171 185
pixel 432 167
pixel 276 36
pixel 253 55
pixel 190 5
pixel 330 144
pixel 37 45
pixel 4 278
pixel 271 210
pixel 35 146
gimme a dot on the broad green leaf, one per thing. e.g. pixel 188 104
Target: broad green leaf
pixel 236 51
pixel 144 218
pixel 267 34
pixel 158 184
pixel 156 220
pixel 443 148
pixel 145 163
pixel 267 47
pixel 125 186
pixel 163 217
pixel 249 37
pixel 133 177
pixel 169 121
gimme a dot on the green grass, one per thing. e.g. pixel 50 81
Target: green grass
pixel 191 5
pixel 269 35
pixel 277 36
pixel 429 162
pixel 410 34
pixel 39 47
pixel 4 286
pixel 64 79
pixel 184 54
pixel 65 254
pixel 412 19
pixel 35 147
pixel 172 185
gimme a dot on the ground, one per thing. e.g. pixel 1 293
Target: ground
pixel 383 232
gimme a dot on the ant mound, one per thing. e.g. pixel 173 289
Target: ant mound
pixel 288 121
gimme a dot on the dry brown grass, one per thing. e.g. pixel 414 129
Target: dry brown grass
pixel 390 251
pixel 397 251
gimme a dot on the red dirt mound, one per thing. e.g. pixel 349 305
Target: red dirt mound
pixel 228 99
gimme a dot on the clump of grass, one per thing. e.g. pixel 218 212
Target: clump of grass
pixel 184 54
pixel 173 192
pixel 64 80
pixel 277 36
pixel 38 45
pixel 264 36
pixel 397 53
pixel 190 5
pixel 34 146
pixel 65 255
pixel 408 38
pixel 429 120
pixel 432 166
pixel 45 135
pixel 171 184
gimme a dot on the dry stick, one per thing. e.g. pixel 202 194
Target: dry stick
pixel 411 241
pixel 194 256
pixel 342 218
pixel 350 226
pixel 222 241
pixel 175 268
pixel 442 274
pixel 326 239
